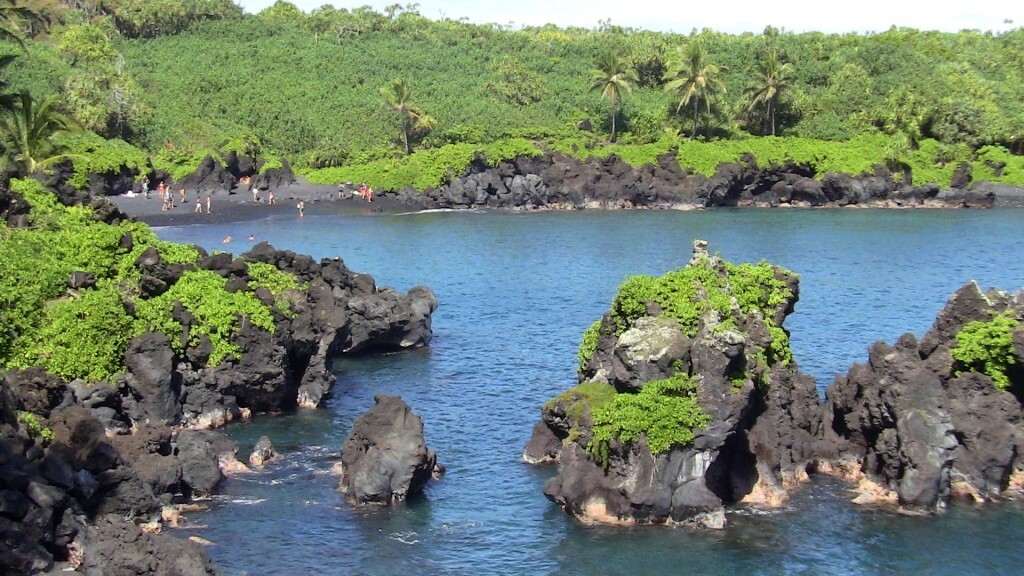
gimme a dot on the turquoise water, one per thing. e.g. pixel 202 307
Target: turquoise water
pixel 515 292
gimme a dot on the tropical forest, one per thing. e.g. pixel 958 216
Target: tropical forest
pixel 398 99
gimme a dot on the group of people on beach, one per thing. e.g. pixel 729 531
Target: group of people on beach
pixel 166 195
pixel 365 192
pixel 256 196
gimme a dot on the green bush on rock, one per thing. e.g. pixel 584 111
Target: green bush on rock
pixel 987 347
pixel 686 294
pixel 217 313
pixel 34 426
pixel 665 412
pixel 81 337
pixel 578 401
pixel 84 333
pixel 280 283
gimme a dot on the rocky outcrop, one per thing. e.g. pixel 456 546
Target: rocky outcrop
pixel 554 180
pixel 74 501
pixel 262 452
pixel 385 459
pixel 211 176
pixel 742 417
pixel 917 424
pixel 336 311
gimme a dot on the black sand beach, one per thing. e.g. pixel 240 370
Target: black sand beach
pixel 237 206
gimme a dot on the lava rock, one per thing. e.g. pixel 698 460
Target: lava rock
pixel 385 459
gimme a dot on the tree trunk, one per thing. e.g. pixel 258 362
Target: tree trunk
pixel 693 134
pixel 405 135
pixel 613 121
pixel 771 112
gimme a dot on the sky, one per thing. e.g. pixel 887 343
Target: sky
pixel 735 16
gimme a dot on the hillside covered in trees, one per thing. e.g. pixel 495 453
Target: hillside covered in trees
pixel 337 89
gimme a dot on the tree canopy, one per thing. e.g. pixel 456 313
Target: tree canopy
pixel 200 75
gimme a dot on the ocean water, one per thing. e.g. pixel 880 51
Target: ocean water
pixel 516 292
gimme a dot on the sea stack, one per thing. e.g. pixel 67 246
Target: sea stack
pixel 385 459
pixel 689 400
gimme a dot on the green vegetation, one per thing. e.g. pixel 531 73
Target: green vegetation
pixel 665 412
pixel 34 427
pixel 580 401
pixel 987 347
pixel 280 284
pixel 217 313
pixel 686 294
pixel 612 76
pixel 178 80
pixel 84 333
pixel 588 344
pixel 425 169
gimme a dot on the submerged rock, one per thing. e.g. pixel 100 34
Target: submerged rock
pixel 688 401
pixel 385 459
pixel 923 421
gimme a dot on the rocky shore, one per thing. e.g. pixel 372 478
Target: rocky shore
pixel 921 423
pixel 91 471
pixel 551 181
pixel 557 181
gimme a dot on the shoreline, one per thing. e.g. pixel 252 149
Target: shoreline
pixel 228 207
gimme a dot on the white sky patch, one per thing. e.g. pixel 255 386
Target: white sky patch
pixel 734 16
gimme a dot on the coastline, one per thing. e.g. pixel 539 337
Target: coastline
pixel 237 206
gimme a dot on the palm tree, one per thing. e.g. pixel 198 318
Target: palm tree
pixel 28 131
pixel 398 96
pixel 10 14
pixel 774 77
pixel 695 80
pixel 612 76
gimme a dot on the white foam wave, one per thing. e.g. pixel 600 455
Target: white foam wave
pixel 404 537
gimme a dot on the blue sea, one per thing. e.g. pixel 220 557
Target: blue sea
pixel 516 291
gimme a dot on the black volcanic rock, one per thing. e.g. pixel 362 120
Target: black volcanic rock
pixel 385 459
pixel 917 427
pixel 761 412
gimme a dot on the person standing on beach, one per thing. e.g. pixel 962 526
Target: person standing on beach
pixel 199 204
pixel 270 197
pixel 181 193
pixel 145 186
pixel 302 207
pixel 208 211
pixel 255 194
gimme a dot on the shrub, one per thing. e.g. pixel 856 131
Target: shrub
pixel 987 347
pixel 588 344
pixel 581 400
pixel 424 169
pixel 34 427
pixel 217 313
pixel 665 412
pixel 280 283
pixel 83 337
pixel 687 293
pixel 93 154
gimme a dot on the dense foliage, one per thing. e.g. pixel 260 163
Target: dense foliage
pixel 190 77
pixel 987 347
pixel 687 294
pixel 84 333
pixel 665 412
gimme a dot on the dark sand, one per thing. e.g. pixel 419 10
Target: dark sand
pixel 238 206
